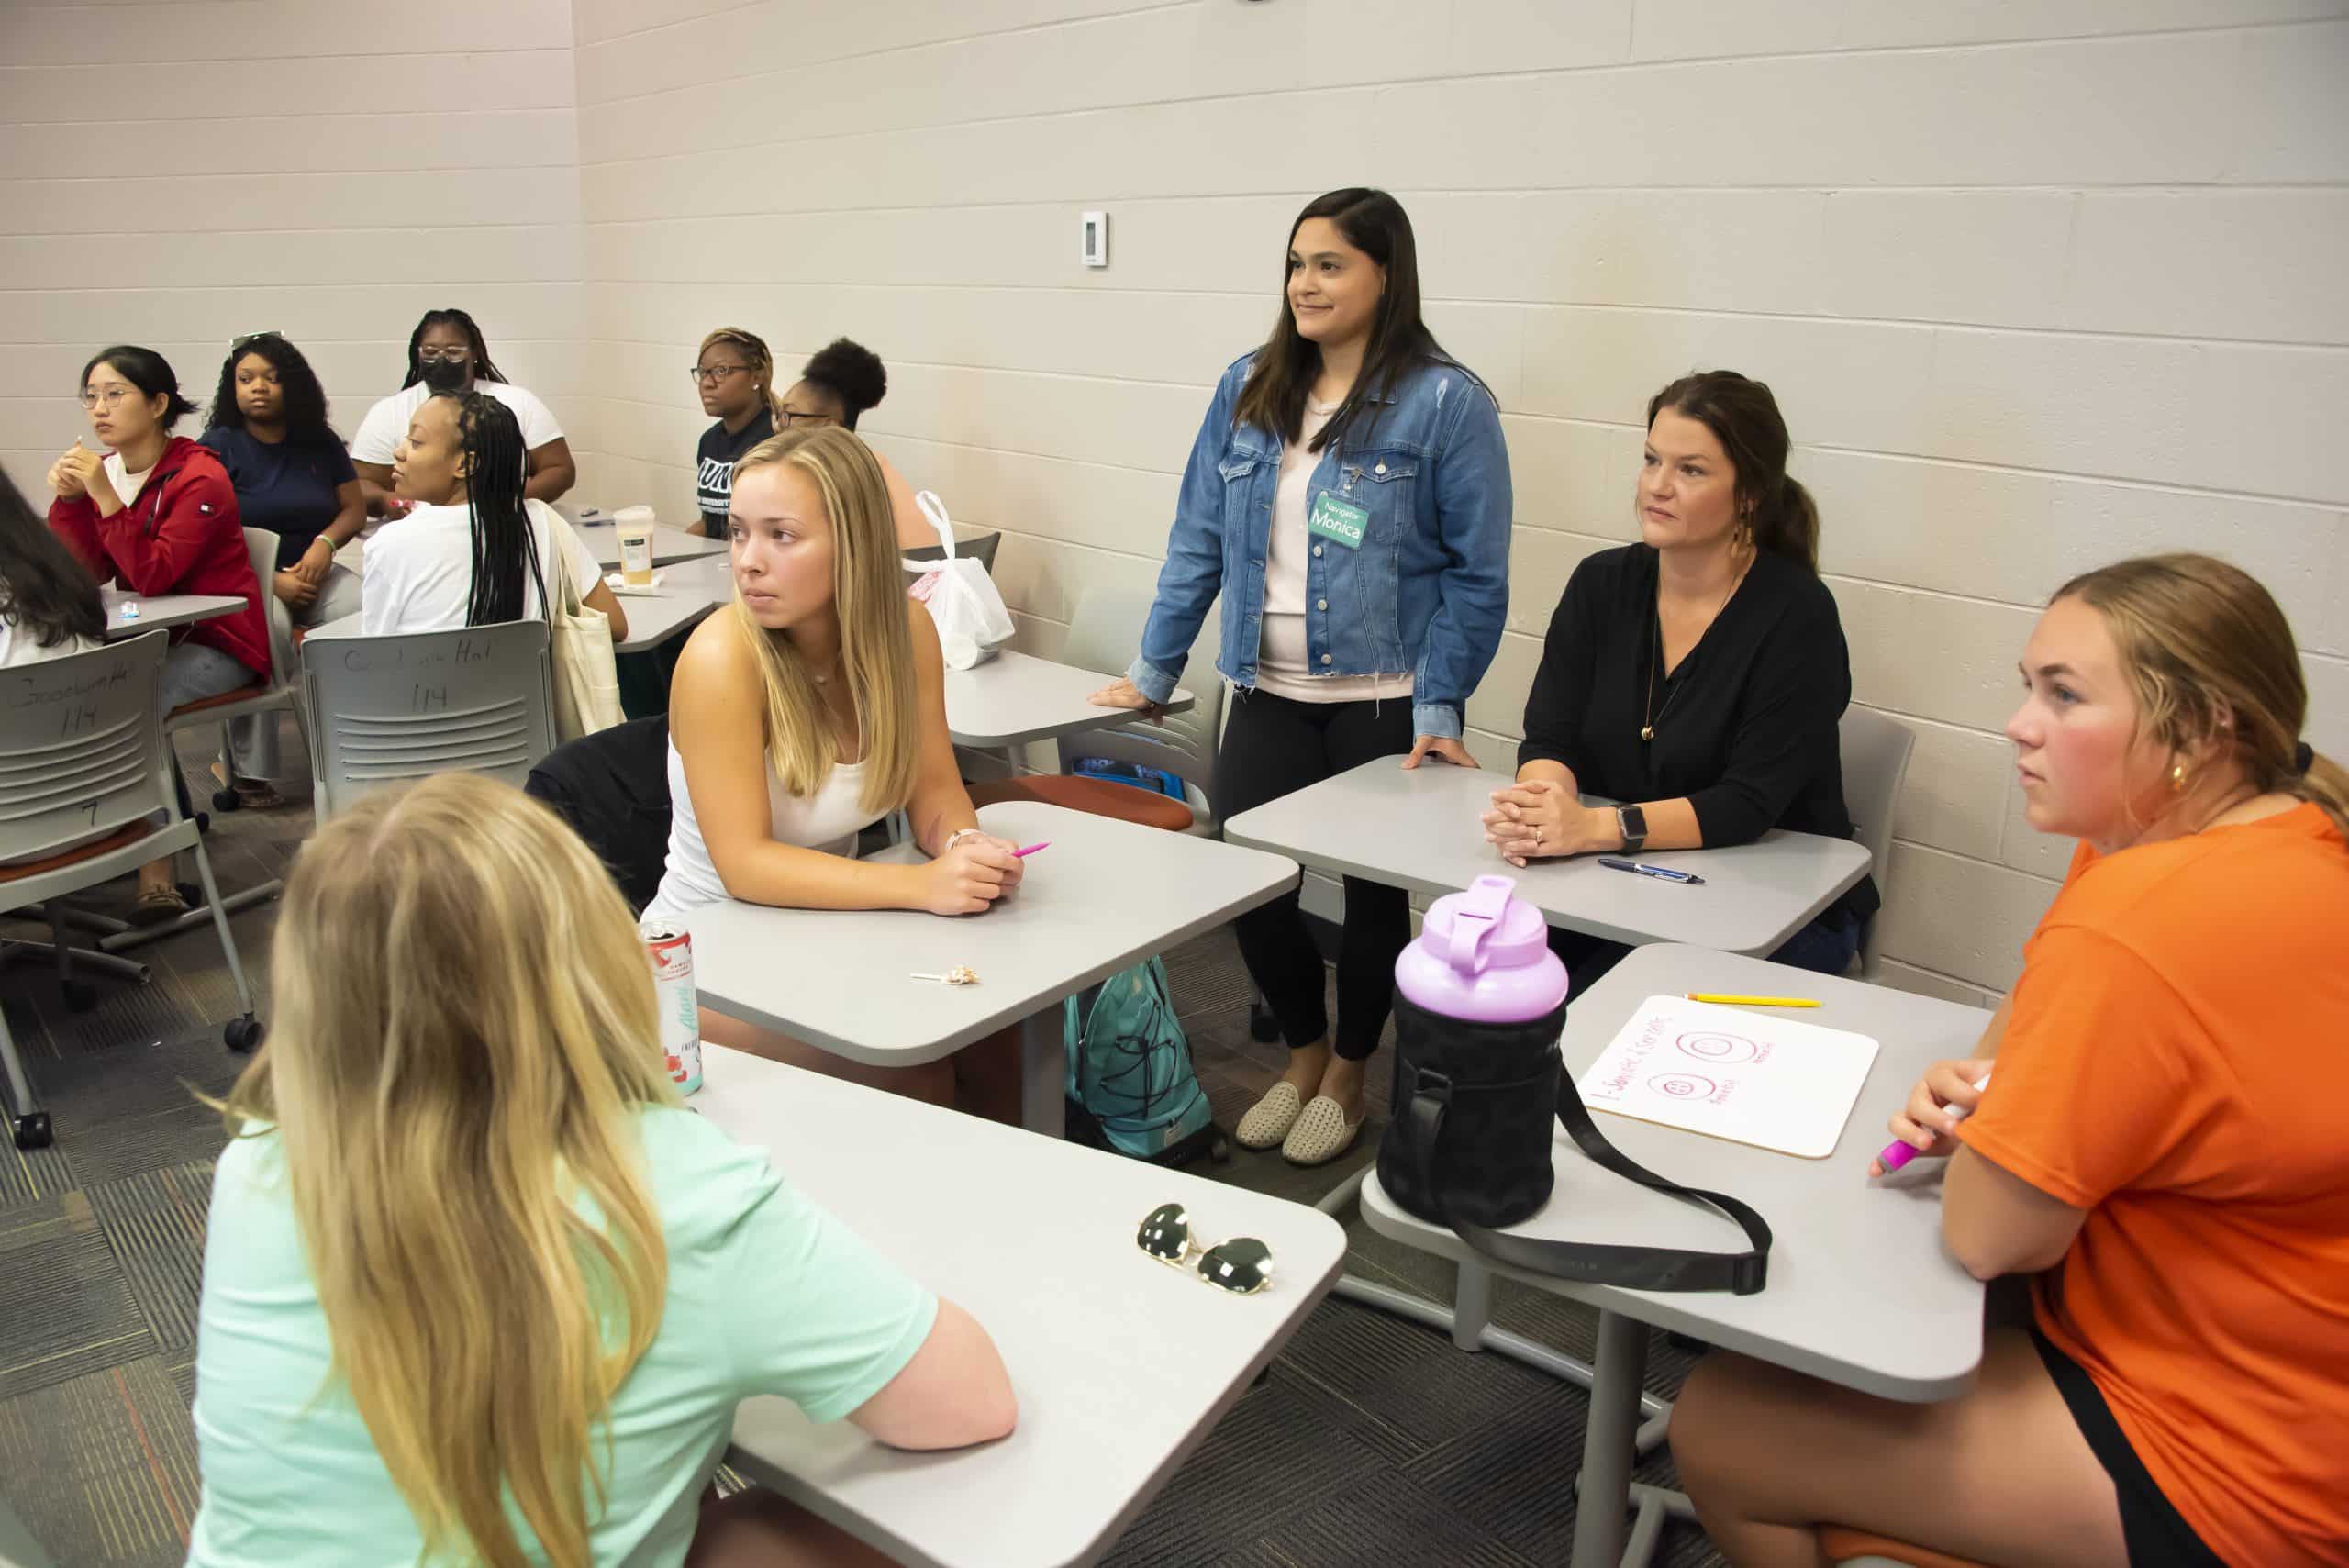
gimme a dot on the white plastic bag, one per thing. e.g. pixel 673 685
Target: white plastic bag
pixel 972 622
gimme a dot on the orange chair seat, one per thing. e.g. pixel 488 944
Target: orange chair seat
pixel 1099 797
pixel 1842 1543
pixel 200 704
pixel 130 832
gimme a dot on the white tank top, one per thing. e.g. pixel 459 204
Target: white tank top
pixel 828 820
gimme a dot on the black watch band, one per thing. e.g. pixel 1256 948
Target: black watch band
pixel 1634 824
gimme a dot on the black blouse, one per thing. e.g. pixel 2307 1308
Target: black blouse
pixel 1745 727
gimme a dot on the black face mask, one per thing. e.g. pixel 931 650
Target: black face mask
pixel 445 375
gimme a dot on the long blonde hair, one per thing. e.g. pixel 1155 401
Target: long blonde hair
pixel 760 362
pixel 463 1024
pixel 2202 641
pixel 876 644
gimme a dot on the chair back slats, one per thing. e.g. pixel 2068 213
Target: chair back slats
pixel 81 745
pixel 385 709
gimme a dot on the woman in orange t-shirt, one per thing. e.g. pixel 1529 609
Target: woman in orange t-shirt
pixel 2160 1148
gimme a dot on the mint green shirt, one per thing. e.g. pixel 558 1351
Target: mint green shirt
pixel 767 1295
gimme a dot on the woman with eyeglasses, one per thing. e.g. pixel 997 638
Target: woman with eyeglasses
pixel 735 375
pixel 157 514
pixel 447 354
pixel 269 428
pixel 838 383
pixel 478 1287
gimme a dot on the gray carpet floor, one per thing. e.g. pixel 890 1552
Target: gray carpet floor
pixel 1370 1439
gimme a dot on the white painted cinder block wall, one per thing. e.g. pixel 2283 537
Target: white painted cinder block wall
pixel 181 173
pixel 2038 285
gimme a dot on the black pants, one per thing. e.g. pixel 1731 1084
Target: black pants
pixel 1274 746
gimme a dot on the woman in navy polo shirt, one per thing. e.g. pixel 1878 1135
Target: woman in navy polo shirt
pixel 293 477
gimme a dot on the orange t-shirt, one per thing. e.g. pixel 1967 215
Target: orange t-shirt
pixel 2178 1064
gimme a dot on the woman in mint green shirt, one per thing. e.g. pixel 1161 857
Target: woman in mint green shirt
pixel 478 1287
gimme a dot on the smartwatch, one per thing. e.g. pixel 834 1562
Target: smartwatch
pixel 1634 824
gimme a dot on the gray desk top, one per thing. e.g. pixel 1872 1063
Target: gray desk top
pixel 1013 698
pixel 163 610
pixel 1108 894
pixel 668 544
pixel 689 590
pixel 1420 831
pixel 1120 1363
pixel 1860 1291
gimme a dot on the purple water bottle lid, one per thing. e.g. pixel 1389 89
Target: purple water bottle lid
pixel 1483 956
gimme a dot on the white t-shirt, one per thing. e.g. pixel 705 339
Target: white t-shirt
pixel 419 568
pixel 27 649
pixel 386 423
pixel 1284 656
pixel 127 485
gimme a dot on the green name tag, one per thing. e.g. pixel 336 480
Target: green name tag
pixel 1337 520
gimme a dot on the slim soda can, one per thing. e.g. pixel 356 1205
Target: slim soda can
pixel 671 949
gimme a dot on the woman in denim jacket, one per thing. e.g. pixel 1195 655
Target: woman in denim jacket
pixel 1349 497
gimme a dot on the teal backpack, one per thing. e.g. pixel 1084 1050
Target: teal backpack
pixel 1131 1088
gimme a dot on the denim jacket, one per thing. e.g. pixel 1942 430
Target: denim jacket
pixel 1426 592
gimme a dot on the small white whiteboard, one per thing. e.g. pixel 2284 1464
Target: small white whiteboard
pixel 1734 1074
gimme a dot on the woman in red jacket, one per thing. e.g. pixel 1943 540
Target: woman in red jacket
pixel 157 514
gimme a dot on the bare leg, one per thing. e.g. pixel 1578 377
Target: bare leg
pixel 758 1530
pixel 1343 1080
pixel 932 1081
pixel 1307 1064
pixel 2001 1474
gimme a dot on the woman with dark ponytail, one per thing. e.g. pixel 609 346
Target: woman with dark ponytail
pixel 1698 675
pixel 473 549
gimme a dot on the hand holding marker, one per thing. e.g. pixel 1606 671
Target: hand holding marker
pixel 1900 1152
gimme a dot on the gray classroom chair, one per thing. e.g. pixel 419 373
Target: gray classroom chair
pixel 283 689
pixel 384 710
pixel 1104 635
pixel 83 754
pixel 1875 750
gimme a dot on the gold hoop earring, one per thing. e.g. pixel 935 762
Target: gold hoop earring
pixel 2178 776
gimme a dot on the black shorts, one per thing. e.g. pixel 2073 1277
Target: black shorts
pixel 2156 1535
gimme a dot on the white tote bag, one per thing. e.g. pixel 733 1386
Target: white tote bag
pixel 972 622
pixel 584 667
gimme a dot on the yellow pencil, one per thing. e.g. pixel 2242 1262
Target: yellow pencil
pixel 1750 1001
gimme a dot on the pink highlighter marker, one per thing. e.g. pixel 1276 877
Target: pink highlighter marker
pixel 1900 1152
pixel 1032 849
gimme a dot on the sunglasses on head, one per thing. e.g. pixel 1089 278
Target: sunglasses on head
pixel 1242 1265
pixel 237 343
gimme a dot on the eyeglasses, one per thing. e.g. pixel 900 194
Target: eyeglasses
pixel 1242 1265
pixel 110 396
pixel 237 343
pixel 444 356
pixel 713 372
pixel 791 417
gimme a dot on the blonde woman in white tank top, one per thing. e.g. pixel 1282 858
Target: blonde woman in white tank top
pixel 844 676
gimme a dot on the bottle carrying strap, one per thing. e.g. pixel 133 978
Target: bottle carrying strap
pixel 1635 1268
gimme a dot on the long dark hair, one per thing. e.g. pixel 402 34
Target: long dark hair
pixel 304 399
pixel 1744 418
pixel 150 372
pixel 44 592
pixel 1274 397
pixel 504 543
pixel 452 317
pixel 850 371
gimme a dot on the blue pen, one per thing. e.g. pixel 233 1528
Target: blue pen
pixel 1663 873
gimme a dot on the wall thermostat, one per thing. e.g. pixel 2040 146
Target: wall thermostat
pixel 1097 238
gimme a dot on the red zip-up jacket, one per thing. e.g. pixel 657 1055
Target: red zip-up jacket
pixel 180 535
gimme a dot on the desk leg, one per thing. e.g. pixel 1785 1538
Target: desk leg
pixel 1044 1072
pixel 1603 1490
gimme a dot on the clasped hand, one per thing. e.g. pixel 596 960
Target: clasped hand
pixel 1538 819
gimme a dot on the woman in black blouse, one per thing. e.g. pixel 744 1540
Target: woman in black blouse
pixel 1697 676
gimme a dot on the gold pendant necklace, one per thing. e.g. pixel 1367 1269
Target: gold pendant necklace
pixel 1648 715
